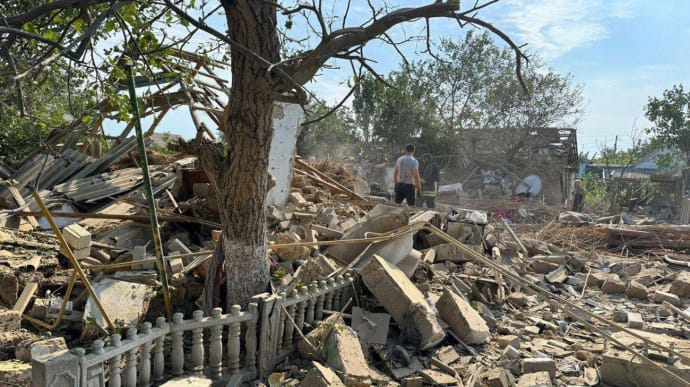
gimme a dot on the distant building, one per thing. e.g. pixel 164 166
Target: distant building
pixel 163 139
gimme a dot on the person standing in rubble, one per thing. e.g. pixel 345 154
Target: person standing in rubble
pixel 579 196
pixel 406 177
pixel 430 177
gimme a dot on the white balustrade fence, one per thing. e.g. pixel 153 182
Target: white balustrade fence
pixel 214 346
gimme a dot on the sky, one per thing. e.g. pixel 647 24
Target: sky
pixel 621 51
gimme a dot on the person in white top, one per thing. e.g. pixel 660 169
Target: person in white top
pixel 406 177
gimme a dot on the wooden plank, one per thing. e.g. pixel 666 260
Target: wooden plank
pixel 25 297
pixel 20 203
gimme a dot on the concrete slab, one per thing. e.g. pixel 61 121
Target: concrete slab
pixel 124 301
pixel 344 353
pixel 401 298
pixel 464 321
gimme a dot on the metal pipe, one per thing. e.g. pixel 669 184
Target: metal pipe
pixel 70 256
pixel 155 229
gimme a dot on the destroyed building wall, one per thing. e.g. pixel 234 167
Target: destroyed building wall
pixel 287 119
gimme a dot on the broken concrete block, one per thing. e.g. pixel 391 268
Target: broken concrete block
pixel 624 369
pixel 139 254
pixel 672 299
pixel 344 353
pixel 126 301
pixel 597 278
pixel 518 299
pixel 320 376
pixel 177 245
pixel 557 276
pixel 613 286
pixel 317 337
pixel 29 349
pixel 681 285
pixel 648 275
pixel 372 328
pixel 537 379
pixel 76 236
pixel 543 266
pixel 10 320
pixel 636 290
pixel 499 377
pixel 508 340
pixel 291 253
pixel 297 199
pixel 450 252
pixel 402 300
pixel 539 364
pixel 635 320
pixel 438 378
pixel 409 264
pixel 464 321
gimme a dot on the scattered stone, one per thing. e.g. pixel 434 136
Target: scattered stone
pixel 317 338
pixel 613 286
pixel 672 299
pixel 499 377
pixel 28 349
pixel 542 266
pixel 437 378
pixel 557 276
pixel 518 299
pixel 636 290
pixel 401 298
pixel 537 379
pixel 681 285
pixel 9 286
pixel 297 199
pixel 635 321
pixel 539 364
pixel 509 340
pixel 320 376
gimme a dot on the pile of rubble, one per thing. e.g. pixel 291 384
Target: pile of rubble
pixel 459 298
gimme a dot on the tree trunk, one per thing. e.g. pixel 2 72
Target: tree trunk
pixel 241 176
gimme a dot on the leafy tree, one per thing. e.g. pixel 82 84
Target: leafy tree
pixel 671 118
pixel 263 72
pixel 332 137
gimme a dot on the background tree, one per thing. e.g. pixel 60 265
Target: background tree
pixel 238 167
pixel 334 137
pixel 671 117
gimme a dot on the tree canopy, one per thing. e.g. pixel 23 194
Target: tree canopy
pixel 670 115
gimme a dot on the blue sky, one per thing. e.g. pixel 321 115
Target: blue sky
pixel 622 51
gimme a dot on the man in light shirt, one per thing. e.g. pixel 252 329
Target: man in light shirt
pixel 406 177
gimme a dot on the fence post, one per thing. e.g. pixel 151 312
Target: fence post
pixel 58 369
pixel 268 331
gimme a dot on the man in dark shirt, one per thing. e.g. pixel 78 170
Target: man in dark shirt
pixel 430 177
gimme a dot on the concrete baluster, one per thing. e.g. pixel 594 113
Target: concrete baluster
pixel 131 362
pixel 311 305
pixel 158 354
pixel 250 343
pixel 318 313
pixel 177 355
pixel 197 356
pixel 215 348
pixel 145 357
pixel 234 341
pixel 115 370
pixel 329 295
pixel 289 326
pixel 337 293
pixel 301 307
pixel 281 327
